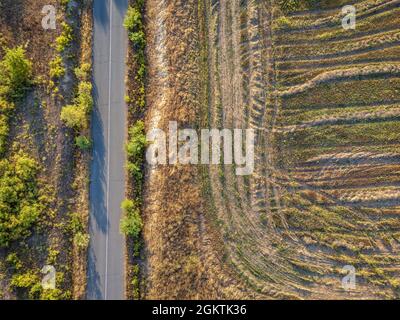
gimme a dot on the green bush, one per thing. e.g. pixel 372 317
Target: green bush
pixel 4 131
pixel 65 39
pixel 76 226
pixel 54 294
pixel 76 115
pixel 131 224
pixel 13 260
pixel 135 149
pixel 134 24
pixel 82 72
pixel 15 77
pixel 85 99
pixel 16 72
pixel 31 282
pixel 6 107
pixel 135 281
pixel 75 223
pixel 83 143
pixel 25 280
pixel 19 198
pixel 57 69
pixel 288 6
pixel 73 116
pixel 133 19
pixel 81 240
pixel 138 39
pixel 64 3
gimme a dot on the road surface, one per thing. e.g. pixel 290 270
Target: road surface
pixel 106 273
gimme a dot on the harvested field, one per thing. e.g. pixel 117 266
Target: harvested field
pixel 324 102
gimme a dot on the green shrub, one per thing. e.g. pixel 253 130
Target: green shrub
pixel 4 131
pixel 75 223
pixel 84 99
pixel 138 39
pixel 131 224
pixel 81 240
pixel 57 69
pixel 135 149
pixel 52 256
pixel 82 72
pixel 16 72
pixel 15 77
pixel 133 19
pixel 25 280
pixel 76 115
pixel 54 294
pixel 6 107
pixel 137 141
pixel 288 6
pixel 134 24
pixel 283 22
pixel 65 39
pixel 83 143
pixel 35 291
pixel 135 282
pixel 64 3
pixel 25 167
pixel 31 282
pixel 13 260
pixel 76 226
pixel 73 116
pixel 19 198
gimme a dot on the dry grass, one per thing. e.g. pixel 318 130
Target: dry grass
pixel 325 192
pixel 182 261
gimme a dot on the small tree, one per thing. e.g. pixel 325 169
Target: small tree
pixel 83 143
pixel 133 19
pixel 134 24
pixel 82 72
pixel 74 117
pixel 137 141
pixel 84 99
pixel 16 71
pixel 131 224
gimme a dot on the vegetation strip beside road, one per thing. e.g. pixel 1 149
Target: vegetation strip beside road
pixel 132 224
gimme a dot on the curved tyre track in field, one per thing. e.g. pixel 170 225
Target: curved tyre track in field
pixel 275 223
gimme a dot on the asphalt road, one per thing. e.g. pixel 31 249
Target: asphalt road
pixel 106 274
